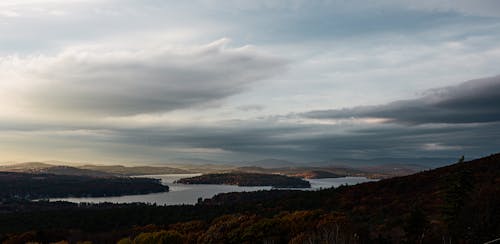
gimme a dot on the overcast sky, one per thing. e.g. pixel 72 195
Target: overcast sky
pixel 153 81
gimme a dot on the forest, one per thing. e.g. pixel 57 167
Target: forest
pixel 41 186
pixel 248 179
pixel 459 203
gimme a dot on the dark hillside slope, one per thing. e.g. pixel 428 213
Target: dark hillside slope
pixel 474 186
pixel 383 206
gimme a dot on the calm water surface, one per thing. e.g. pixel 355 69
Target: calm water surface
pixel 189 194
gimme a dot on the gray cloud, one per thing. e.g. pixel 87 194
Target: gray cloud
pixel 428 145
pixel 474 101
pixel 429 137
pixel 146 81
pixel 347 143
pixel 251 107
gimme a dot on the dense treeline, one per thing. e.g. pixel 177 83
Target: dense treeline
pixel 248 179
pixel 454 204
pixel 314 226
pixel 37 186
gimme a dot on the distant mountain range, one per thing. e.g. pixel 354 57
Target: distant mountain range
pixel 44 168
pixel 364 165
pixel 135 170
pixel 270 163
pixel 265 166
pixel 100 171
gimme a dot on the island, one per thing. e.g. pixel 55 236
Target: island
pixel 30 186
pixel 248 179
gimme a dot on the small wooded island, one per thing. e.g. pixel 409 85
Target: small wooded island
pixel 248 179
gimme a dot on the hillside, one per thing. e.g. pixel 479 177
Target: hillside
pixel 301 172
pixel 90 170
pixel 470 188
pixel 286 168
pixel 67 170
pixel 372 172
pixel 43 168
pixel 23 167
pixel 316 174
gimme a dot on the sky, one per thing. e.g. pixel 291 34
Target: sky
pixel 159 82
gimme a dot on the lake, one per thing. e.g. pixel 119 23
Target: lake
pixel 189 194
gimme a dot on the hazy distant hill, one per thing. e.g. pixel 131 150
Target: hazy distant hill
pixel 393 169
pixel 266 166
pixel 135 170
pixel 378 171
pixel 204 168
pixel 43 168
pixel 302 172
pixel 90 170
pixel 316 174
pixel 269 163
pixel 22 167
pixel 67 170
pixel 430 162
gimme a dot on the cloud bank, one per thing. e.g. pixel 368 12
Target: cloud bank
pixel 475 101
pixel 100 81
pixel 415 131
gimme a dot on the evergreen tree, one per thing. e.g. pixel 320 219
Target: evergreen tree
pixel 457 192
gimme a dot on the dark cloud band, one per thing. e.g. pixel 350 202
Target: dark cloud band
pixel 474 101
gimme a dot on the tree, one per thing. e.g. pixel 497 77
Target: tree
pixel 457 193
pixel 415 225
pixel 170 237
